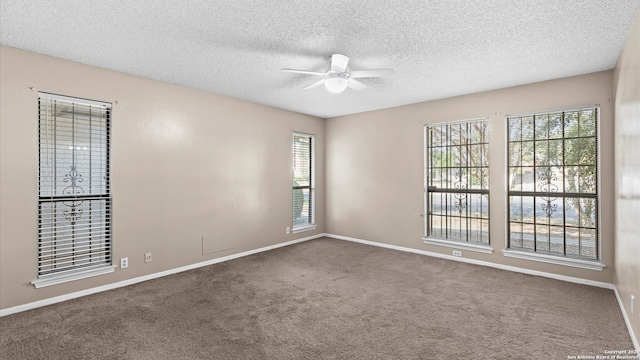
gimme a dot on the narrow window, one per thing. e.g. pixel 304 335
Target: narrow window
pixel 74 217
pixel 457 181
pixel 303 182
pixel 553 183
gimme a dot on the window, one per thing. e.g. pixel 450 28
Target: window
pixel 303 183
pixel 457 181
pixel 74 217
pixel 553 183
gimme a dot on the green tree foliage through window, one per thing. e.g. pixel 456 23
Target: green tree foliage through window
pixel 553 174
pixel 458 181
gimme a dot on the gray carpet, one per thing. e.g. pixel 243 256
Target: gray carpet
pixel 326 299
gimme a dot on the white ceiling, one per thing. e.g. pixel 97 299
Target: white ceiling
pixel 237 47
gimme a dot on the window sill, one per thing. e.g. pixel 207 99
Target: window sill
pixel 458 245
pixel 583 264
pixel 56 279
pixel 303 228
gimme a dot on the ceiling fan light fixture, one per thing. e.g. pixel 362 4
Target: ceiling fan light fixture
pixel 336 82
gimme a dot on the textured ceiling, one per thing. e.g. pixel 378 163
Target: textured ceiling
pixel 237 47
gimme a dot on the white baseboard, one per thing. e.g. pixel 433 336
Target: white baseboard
pixel 509 268
pixel 628 323
pixel 61 298
pixel 77 294
pixel 479 262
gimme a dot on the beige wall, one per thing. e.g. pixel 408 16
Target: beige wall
pixel 627 108
pixel 189 165
pixel 375 166
pixel 186 164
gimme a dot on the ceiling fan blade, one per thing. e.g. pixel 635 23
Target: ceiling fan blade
pixel 303 72
pixel 372 73
pixel 339 63
pixel 317 83
pixel 356 85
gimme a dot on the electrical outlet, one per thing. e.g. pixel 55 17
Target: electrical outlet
pixel 457 253
pixel 147 258
pixel 633 305
pixel 124 263
pixel 287 230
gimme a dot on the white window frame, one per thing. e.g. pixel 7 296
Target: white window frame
pixel 78 257
pixel 546 257
pixel 296 228
pixel 429 238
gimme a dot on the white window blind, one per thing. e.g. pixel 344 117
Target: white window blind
pixel 74 222
pixel 303 182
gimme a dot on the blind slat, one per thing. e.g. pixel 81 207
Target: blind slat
pixel 62 237
pixel 68 257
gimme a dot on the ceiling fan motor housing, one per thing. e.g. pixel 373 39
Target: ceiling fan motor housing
pixel 336 82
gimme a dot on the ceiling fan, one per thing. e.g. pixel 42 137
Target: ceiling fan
pixel 339 77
